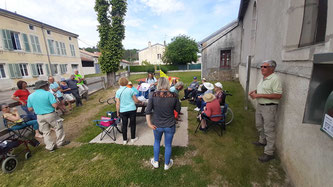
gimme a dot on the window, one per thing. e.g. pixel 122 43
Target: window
pixel 70 38
pixel 51 46
pixel 26 43
pixel 225 59
pixel 2 71
pixel 159 56
pixel 75 67
pixel 48 32
pixel 35 44
pixel 63 48
pixel 87 64
pixel 63 68
pixel 72 49
pixel 54 69
pixel 31 27
pixel 23 69
pixel 58 47
pixel 11 40
pixel 40 69
pixel 314 22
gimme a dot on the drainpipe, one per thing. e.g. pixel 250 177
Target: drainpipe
pixel 47 51
pixel 248 70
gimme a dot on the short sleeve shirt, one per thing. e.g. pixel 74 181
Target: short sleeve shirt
pixel 77 76
pixel 22 95
pixel 174 90
pixel 55 85
pixel 41 101
pixel 125 95
pixel 269 85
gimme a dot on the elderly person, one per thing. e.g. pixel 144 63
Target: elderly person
pixel 267 94
pixel 55 89
pixel 162 103
pixel 130 85
pixel 219 92
pixel 191 89
pixel 126 108
pixel 83 89
pixel 68 96
pixel 177 88
pixel 44 104
pixel 14 119
pixel 21 95
pixel 205 89
pixel 72 84
pixel 212 108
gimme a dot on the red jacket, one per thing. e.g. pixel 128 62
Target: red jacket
pixel 213 108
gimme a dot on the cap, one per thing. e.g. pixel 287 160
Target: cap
pixel 194 77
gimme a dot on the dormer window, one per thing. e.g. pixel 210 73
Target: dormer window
pixel 48 32
pixel 31 27
pixel 70 38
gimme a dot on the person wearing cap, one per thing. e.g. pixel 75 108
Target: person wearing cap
pixel 268 95
pixel 192 88
pixel 219 92
pixel 44 104
pixel 205 89
pixel 130 85
pixel 83 89
pixel 68 96
pixel 212 108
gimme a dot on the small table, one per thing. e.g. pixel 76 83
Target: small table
pixel 143 108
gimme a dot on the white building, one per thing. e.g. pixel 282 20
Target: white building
pixel 152 53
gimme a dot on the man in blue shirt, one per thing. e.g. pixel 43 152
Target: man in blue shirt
pixel 44 104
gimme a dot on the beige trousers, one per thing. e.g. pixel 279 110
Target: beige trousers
pixel 48 121
pixel 83 89
pixel 265 123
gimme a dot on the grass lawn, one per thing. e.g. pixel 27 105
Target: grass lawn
pixel 230 160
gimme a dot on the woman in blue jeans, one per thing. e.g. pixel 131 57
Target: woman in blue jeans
pixel 162 104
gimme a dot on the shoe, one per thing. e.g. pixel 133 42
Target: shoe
pixel 166 167
pixel 182 99
pixel 265 158
pixel 52 150
pixel 154 163
pixel 124 142
pixel 259 144
pixel 203 129
pixel 197 109
pixel 134 140
pixel 64 143
pixel 39 136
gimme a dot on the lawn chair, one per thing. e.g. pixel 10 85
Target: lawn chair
pixel 220 125
pixel 108 125
pixel 18 130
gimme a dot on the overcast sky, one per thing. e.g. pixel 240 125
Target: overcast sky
pixel 146 20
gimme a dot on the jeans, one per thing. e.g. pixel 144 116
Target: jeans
pixel 77 97
pixel 30 115
pixel 168 136
pixel 124 117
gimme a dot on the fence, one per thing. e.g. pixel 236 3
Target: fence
pixel 168 67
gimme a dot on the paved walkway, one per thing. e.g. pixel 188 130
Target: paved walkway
pixel 146 136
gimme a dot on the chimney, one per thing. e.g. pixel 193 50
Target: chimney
pixel 149 44
pixel 164 43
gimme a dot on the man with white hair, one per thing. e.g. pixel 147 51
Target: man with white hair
pixel 268 94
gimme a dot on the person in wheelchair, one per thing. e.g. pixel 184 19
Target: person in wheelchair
pixel 219 92
pixel 212 108
pixel 14 119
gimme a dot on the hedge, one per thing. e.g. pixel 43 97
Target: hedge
pixel 164 68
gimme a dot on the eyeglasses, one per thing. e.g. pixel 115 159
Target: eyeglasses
pixel 5 107
pixel 265 66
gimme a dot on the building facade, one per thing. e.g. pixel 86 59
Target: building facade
pixel 31 50
pixel 152 54
pixel 89 62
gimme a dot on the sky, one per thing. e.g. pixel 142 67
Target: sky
pixel 146 20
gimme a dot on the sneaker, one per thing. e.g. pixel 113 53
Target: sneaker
pixel 134 140
pixel 166 167
pixel 182 99
pixel 197 109
pixel 124 142
pixel 265 158
pixel 259 144
pixel 64 143
pixel 154 163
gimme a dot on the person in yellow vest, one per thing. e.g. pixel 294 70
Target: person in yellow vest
pixel 267 94
pixel 83 89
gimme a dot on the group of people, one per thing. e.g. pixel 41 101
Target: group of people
pixel 40 107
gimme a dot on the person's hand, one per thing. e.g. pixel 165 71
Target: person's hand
pixel 253 95
pixel 118 115
pixel 152 126
pixel 22 103
pixel 14 109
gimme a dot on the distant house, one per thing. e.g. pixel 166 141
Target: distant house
pixel 32 50
pixel 124 64
pixel 89 62
pixel 152 53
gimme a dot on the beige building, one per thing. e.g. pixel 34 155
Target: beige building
pixel 32 50
pixel 152 53
pixel 298 35
pixel 89 62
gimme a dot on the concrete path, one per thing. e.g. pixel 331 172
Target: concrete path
pixel 146 136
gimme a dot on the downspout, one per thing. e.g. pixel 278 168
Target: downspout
pixel 47 51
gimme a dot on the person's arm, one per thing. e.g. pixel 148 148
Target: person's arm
pixel 15 98
pixel 15 116
pixel 178 105
pixel 136 100
pixel 149 123
pixel 149 110
pixel 118 106
pixel 208 110
pixel 266 96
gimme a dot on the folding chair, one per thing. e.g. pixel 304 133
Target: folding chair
pixel 108 125
pixel 19 129
pixel 218 124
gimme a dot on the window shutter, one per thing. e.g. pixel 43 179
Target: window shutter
pixel 37 44
pixel 11 71
pixel 33 43
pixel 52 69
pixel 26 43
pixel 7 40
pixel 17 71
pixel 47 69
pixel 34 70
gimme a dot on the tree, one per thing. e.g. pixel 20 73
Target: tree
pixel 91 49
pixel 180 51
pixel 111 33
pixel 131 55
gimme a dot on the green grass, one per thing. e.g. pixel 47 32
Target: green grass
pixel 230 160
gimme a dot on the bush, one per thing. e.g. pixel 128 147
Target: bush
pixel 140 68
pixel 151 69
pixel 164 69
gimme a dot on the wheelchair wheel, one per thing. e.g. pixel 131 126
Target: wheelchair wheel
pixel 27 155
pixel 111 100
pixel 101 100
pixel 9 164
pixel 229 116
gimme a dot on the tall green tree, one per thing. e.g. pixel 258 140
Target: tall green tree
pixel 180 51
pixel 111 32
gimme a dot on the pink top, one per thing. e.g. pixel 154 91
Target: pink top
pixel 213 108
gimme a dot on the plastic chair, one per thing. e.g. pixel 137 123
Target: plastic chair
pixel 212 124
pixel 108 125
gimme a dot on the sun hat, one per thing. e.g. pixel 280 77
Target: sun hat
pixel 208 97
pixel 40 84
pixel 130 83
pixel 219 85
pixel 204 79
pixel 208 85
